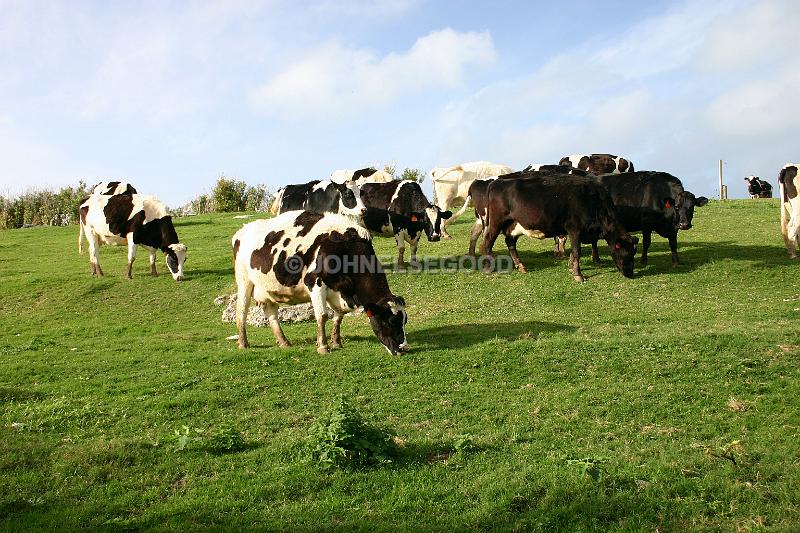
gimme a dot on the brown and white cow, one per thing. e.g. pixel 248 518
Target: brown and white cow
pixel 789 181
pixel 541 205
pixel 598 163
pixel 452 183
pixel 135 220
pixel 300 256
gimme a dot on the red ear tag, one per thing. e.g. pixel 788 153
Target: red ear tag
pixel 618 246
pixel 413 218
pixel 667 205
pixel 370 314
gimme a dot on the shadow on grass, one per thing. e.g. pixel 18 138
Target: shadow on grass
pixel 8 394
pixel 431 453
pixel 179 222
pixel 464 335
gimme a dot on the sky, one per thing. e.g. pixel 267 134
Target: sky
pixel 169 95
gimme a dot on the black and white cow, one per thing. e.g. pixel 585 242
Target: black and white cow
pixel 113 187
pixel 361 176
pixel 649 201
pixel 400 209
pixel 598 163
pixel 320 197
pixel 789 181
pixel 325 259
pixel 131 219
pixel 758 188
pixel 546 204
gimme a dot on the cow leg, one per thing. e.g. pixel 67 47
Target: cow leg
pixel 271 312
pixel 489 236
pixel 792 233
pixel 243 296
pixel 131 255
pixel 153 263
pixel 477 229
pixel 400 238
pixel 673 248
pixel 646 237
pixel 575 258
pixel 444 206
pixel 319 296
pixel 336 333
pixel 414 245
pixel 511 242
pixel 559 246
pixel 94 253
pixel 595 253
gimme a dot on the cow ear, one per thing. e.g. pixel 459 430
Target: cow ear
pixel 447 214
pixel 668 202
pixel 413 218
pixel 700 201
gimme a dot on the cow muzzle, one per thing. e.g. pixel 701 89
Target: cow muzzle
pixel 685 225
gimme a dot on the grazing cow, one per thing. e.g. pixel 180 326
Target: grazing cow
pixel 598 163
pixel 323 258
pixel 131 219
pixel 650 201
pixel 113 187
pixel 789 181
pixel 400 209
pixel 758 188
pixel 543 205
pixel 477 194
pixel 451 183
pixel 320 197
pixel 361 176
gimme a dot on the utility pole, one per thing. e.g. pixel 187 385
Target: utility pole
pixel 723 193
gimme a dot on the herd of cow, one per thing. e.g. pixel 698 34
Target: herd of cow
pixel 318 246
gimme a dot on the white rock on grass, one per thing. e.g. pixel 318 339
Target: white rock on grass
pixel 256 317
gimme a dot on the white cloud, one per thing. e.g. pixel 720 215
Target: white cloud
pixel 335 81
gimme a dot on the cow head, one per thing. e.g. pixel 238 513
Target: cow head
pixel 682 208
pixel 388 321
pixel 350 199
pixel 432 221
pixel 623 248
pixel 176 257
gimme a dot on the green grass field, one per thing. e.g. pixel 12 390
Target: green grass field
pixel 668 402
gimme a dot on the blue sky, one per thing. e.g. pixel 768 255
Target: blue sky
pixel 169 95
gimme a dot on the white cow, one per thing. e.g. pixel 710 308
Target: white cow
pixel 789 181
pixel 361 176
pixel 451 183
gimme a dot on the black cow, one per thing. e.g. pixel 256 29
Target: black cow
pixel 758 188
pixel 542 204
pixel 649 201
pixel 478 195
pixel 320 197
pixel 400 209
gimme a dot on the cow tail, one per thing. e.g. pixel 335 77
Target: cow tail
pixel 461 211
pixel 784 208
pixel 81 231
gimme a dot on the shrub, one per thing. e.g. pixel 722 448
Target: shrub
pixel 412 174
pixel 340 438
pixel 44 206
pixel 229 195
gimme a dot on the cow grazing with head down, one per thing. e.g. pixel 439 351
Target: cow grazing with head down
pixel 598 163
pixel 541 205
pixel 758 188
pixel 134 220
pixel 361 176
pixel 326 259
pixel 452 183
pixel 478 196
pixel 789 181
pixel 320 197
pixel 113 187
pixel 400 209
pixel 649 201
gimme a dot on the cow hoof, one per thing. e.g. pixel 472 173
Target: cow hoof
pixel 643 262
pixel 445 236
pixel 323 350
pixel 579 279
pixel 283 345
pixel 243 345
pixel 336 344
pixel 521 269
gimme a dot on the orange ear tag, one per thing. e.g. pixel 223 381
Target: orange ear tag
pixel 413 218
pixel 370 314
pixel 618 246
pixel 667 205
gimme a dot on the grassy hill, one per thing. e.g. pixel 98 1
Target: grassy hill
pixel 528 401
